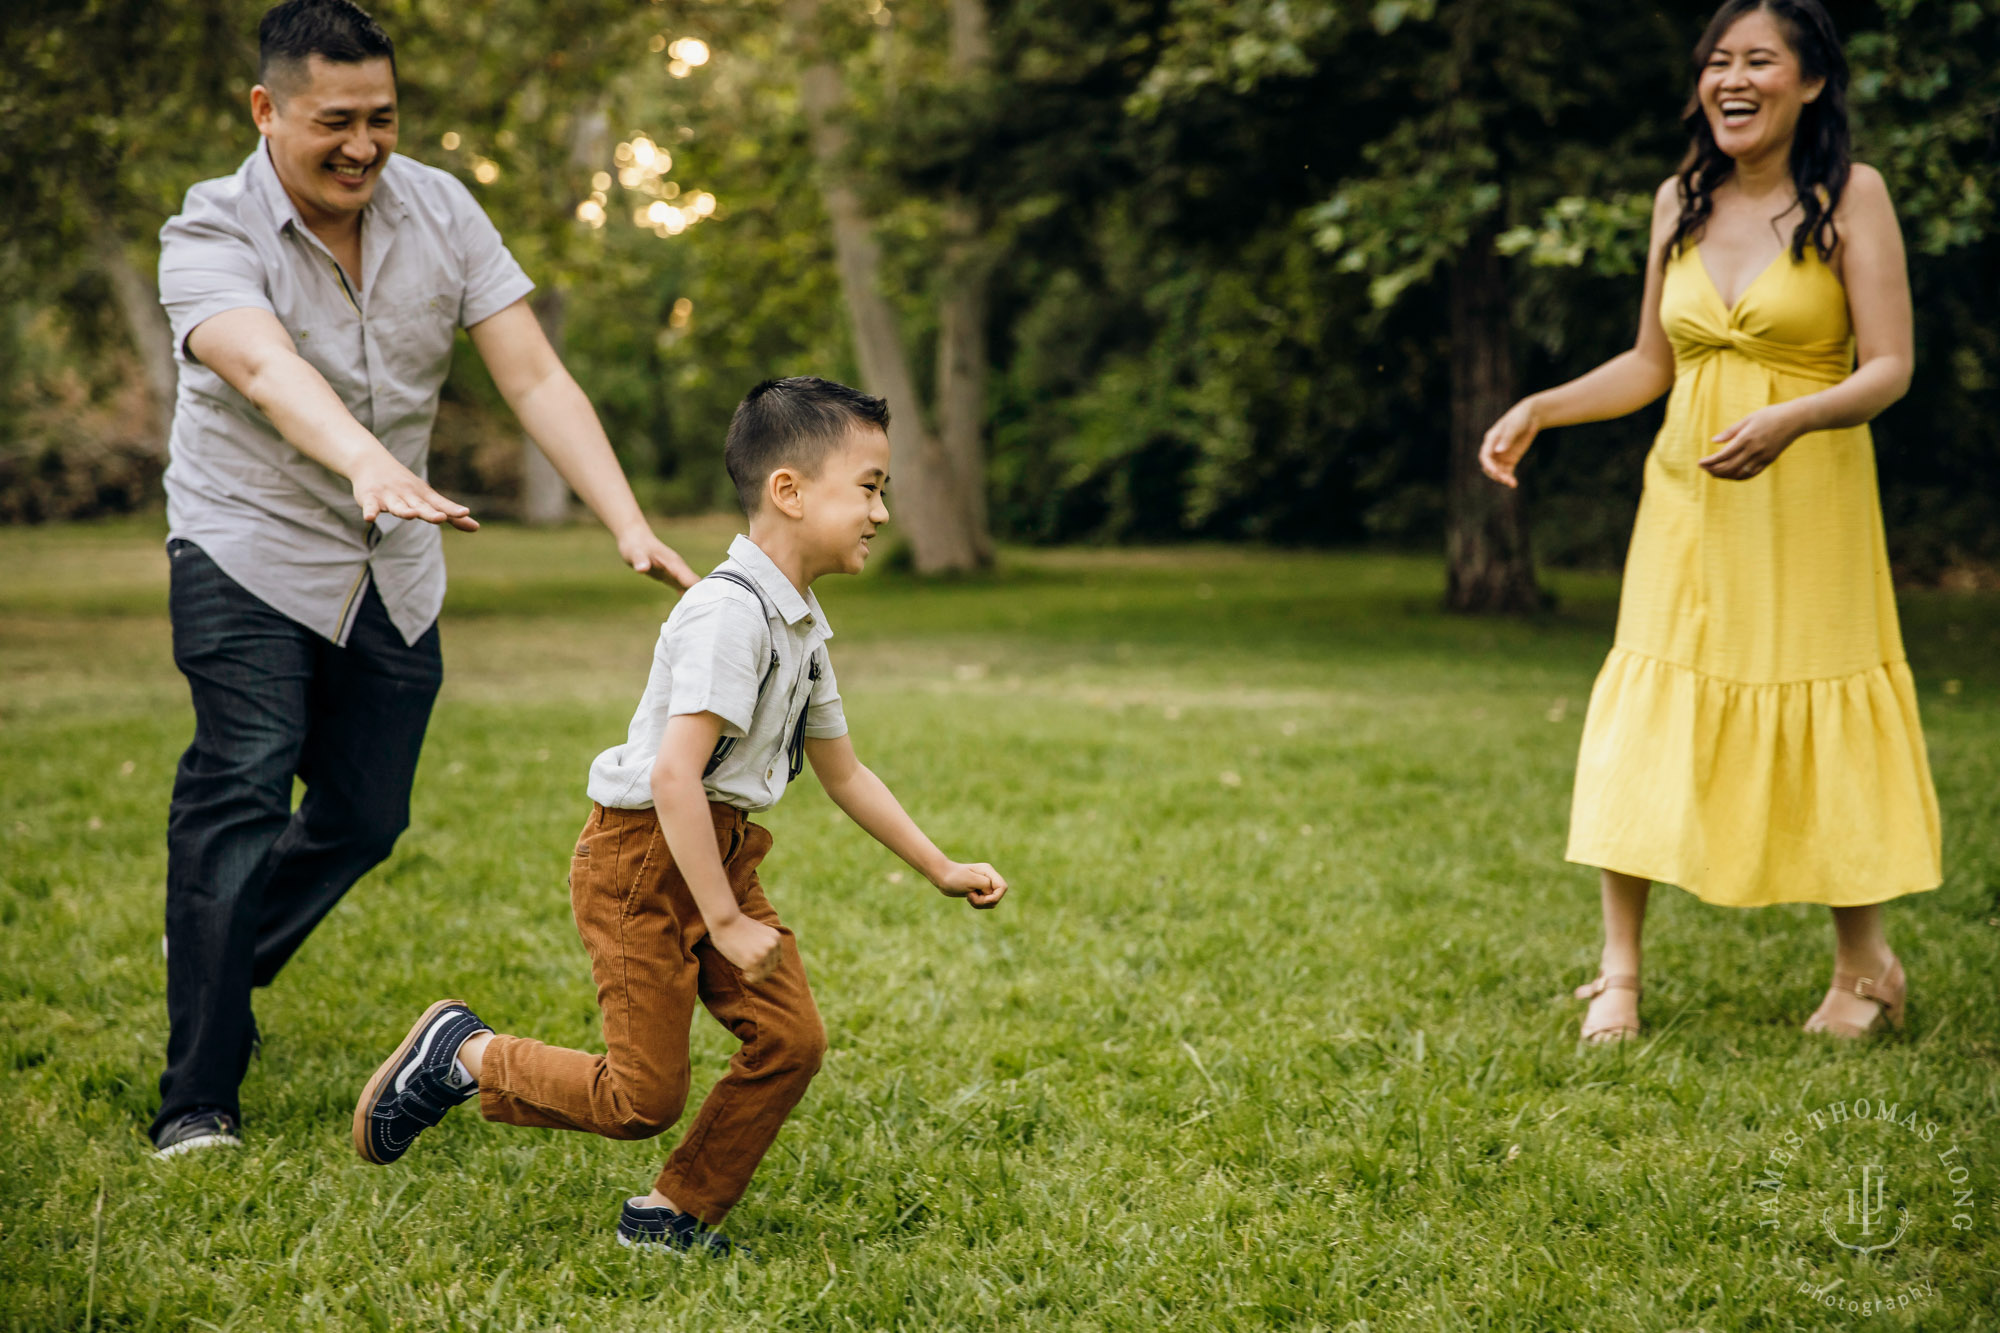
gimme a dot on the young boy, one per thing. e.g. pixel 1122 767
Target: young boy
pixel 664 878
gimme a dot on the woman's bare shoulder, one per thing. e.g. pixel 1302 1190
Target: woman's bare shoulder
pixel 1667 204
pixel 1866 190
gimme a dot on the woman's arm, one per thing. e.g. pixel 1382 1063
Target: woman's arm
pixel 1871 266
pixel 1625 383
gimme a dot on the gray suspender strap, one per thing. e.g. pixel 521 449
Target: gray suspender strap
pixel 795 748
pixel 728 743
pixel 731 576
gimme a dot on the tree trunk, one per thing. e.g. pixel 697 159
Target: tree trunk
pixel 138 302
pixel 961 367
pixel 1490 568
pixel 544 495
pixel 929 509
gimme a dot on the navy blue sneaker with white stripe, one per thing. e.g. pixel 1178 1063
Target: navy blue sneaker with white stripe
pixel 647 1228
pixel 415 1087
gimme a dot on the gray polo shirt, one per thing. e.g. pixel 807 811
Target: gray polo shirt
pixel 283 526
pixel 713 654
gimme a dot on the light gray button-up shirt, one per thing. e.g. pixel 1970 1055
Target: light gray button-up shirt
pixel 712 657
pixel 283 526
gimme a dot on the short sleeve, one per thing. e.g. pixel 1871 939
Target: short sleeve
pixel 824 718
pixel 494 280
pixel 716 652
pixel 207 265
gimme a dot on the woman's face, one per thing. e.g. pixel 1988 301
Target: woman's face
pixel 1752 88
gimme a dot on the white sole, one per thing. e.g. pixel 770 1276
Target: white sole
pixel 200 1141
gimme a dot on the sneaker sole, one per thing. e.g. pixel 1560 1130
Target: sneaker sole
pixel 200 1141
pixel 684 1252
pixel 371 1090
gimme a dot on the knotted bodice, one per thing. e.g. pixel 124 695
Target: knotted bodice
pixel 1792 318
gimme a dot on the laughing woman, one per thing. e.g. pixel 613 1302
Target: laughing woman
pixel 1753 736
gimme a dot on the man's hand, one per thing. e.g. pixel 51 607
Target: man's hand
pixel 383 485
pixel 255 356
pixel 750 944
pixel 649 555
pixel 979 884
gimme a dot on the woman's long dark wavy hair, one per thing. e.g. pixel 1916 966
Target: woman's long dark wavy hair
pixel 1820 153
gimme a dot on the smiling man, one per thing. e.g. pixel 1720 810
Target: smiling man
pixel 315 297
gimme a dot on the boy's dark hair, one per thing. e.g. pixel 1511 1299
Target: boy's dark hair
pixel 793 422
pixel 335 30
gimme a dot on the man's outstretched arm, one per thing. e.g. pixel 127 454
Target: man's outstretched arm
pixel 254 355
pixel 557 415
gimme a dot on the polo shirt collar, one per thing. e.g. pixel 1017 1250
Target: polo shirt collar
pixel 792 607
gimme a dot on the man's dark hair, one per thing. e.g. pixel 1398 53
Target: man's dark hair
pixel 794 422
pixel 335 30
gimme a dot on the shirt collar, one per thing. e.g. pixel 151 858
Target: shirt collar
pixel 386 204
pixel 764 572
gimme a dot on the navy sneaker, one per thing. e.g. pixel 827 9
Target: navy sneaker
pixel 417 1085
pixel 644 1228
pixel 203 1127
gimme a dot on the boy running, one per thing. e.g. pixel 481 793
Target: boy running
pixel 663 881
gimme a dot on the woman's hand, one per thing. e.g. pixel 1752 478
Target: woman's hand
pixel 1754 443
pixel 1507 440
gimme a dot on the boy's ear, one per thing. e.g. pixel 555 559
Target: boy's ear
pixel 782 491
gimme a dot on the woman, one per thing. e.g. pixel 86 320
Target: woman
pixel 1753 736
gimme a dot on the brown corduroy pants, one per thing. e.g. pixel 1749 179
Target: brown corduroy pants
pixel 652 959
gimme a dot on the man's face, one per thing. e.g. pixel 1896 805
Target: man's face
pixel 331 127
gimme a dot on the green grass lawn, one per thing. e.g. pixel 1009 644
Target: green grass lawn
pixel 1273 1031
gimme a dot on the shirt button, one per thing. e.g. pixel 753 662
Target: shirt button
pixel 770 773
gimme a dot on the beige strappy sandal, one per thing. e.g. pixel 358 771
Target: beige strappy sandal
pixel 1891 992
pixel 1609 1032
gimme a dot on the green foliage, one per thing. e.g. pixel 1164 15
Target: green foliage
pixel 1215 230
pixel 1609 234
pixel 1927 96
pixel 1272 1032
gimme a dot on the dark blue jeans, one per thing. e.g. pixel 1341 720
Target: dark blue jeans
pixel 248 877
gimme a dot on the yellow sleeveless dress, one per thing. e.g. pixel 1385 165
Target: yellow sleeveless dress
pixel 1753 736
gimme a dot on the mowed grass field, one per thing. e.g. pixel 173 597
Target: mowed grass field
pixel 1272 1032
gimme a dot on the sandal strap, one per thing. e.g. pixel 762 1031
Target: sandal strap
pixel 1857 985
pixel 1866 988
pixel 1616 981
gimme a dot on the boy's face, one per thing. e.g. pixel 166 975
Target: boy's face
pixel 842 506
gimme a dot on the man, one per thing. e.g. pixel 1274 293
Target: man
pixel 314 298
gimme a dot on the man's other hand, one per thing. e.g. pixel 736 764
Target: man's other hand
pixel 652 557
